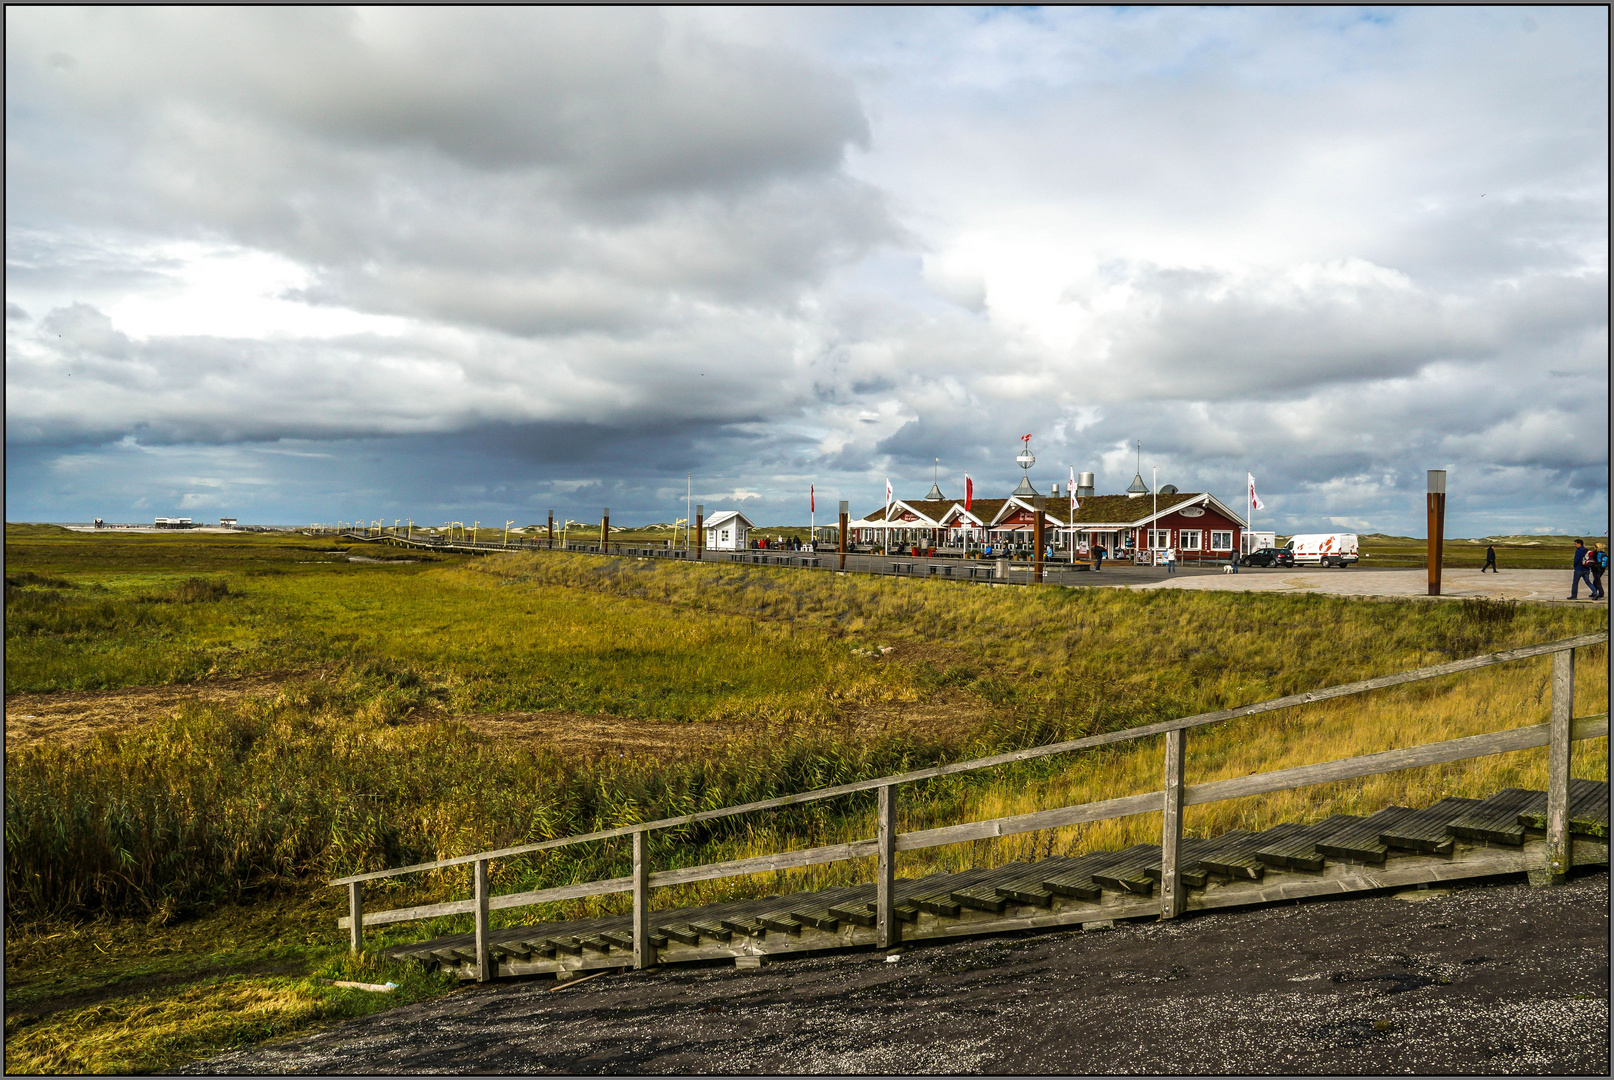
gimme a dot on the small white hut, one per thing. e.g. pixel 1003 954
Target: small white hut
pixel 726 530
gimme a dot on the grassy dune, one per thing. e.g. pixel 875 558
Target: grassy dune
pixel 163 880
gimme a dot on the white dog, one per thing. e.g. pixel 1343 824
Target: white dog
pixel 1228 569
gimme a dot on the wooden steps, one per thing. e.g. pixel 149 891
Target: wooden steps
pixel 1397 846
pixel 1588 810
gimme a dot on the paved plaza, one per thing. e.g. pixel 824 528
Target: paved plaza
pixel 1356 581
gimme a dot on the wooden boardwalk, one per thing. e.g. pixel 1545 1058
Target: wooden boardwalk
pixel 1396 847
pixel 1542 833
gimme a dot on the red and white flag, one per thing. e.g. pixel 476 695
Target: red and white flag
pixel 888 496
pixel 1255 500
pixel 969 491
pixel 1071 490
pixel 812 499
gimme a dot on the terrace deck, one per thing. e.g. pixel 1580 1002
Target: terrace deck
pixel 1397 847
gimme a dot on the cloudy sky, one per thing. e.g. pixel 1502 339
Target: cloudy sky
pixel 306 264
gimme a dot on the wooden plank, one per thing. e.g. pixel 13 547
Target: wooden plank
pixel 885 921
pixel 644 955
pixel 684 934
pixel 355 917
pixel 1077 881
pixel 1308 697
pixel 780 921
pixel 497 903
pixel 1238 860
pixel 1298 850
pixel 1588 809
pixel 984 896
pixel 1558 752
pixel 1427 831
pixel 1360 842
pixel 1127 874
pixel 484 967
pixel 1024 823
pixel 1026 887
pixel 761 864
pixel 715 931
pixel 1171 885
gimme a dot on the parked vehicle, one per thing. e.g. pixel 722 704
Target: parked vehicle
pixel 1268 556
pixel 1324 549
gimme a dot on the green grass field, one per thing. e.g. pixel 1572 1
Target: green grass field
pixel 163 878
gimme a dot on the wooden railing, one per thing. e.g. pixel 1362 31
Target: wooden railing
pixel 1557 734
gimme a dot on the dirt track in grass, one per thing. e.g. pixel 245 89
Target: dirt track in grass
pixel 1492 978
pixel 72 718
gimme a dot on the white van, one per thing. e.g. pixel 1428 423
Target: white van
pixel 1324 549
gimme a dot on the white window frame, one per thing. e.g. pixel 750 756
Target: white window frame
pixel 1225 536
pixel 1190 539
pixel 1159 539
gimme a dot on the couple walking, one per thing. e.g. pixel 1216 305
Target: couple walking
pixel 1589 565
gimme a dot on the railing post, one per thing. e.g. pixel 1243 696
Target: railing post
pixel 1563 706
pixel 355 913
pixel 1171 892
pixel 886 873
pixel 644 954
pixel 484 970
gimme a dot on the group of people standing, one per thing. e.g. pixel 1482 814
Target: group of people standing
pixel 1589 566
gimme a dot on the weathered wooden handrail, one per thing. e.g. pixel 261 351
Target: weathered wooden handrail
pixel 1558 734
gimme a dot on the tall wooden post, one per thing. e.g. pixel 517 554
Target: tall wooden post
pixel 1172 896
pixel 1563 706
pixel 1437 526
pixel 841 543
pixel 484 970
pixel 644 954
pixel 605 531
pixel 885 874
pixel 700 531
pixel 552 530
pixel 355 914
pixel 1038 517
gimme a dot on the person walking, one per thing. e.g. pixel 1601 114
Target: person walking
pixel 1098 558
pixel 1582 571
pixel 1490 560
pixel 1599 562
pixel 1171 560
pixel 1233 561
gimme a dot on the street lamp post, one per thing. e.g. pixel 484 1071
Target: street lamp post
pixel 507 532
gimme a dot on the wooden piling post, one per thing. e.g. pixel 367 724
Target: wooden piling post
pixel 644 954
pixel 605 532
pixel 1038 517
pixel 845 513
pixel 355 912
pixel 885 879
pixel 700 531
pixel 1436 503
pixel 484 970
pixel 552 530
pixel 1172 896
pixel 1563 706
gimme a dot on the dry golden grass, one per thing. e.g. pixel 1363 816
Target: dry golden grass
pixel 1493 699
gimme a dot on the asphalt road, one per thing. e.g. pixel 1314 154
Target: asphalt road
pixel 1489 978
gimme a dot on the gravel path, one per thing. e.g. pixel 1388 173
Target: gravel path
pixel 1490 978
